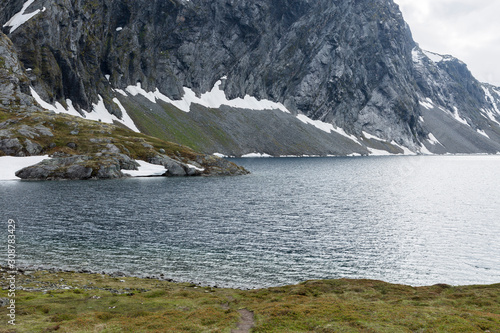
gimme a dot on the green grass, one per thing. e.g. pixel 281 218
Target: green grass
pixel 62 125
pixel 172 124
pixel 146 305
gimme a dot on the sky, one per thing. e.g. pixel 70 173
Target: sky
pixel 466 29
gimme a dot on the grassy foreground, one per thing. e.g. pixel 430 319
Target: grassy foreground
pixel 73 302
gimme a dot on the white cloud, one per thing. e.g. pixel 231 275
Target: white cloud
pixel 466 29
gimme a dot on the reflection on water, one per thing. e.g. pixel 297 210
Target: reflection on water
pixel 411 220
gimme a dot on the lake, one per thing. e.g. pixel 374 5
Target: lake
pixel 417 220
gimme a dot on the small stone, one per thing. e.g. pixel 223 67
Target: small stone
pixel 33 148
pixel 72 145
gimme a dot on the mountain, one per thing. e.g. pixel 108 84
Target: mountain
pixel 281 77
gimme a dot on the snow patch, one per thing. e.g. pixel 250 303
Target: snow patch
pixel 371 137
pixel 432 140
pixel 458 118
pixel 9 165
pixel 378 152
pixel 406 150
pixel 214 98
pixel 220 155
pixel 433 56
pixel 491 99
pixel 119 29
pixel 483 133
pixel 99 112
pixel 416 55
pixel 57 108
pixel 255 155
pixel 427 105
pixel 490 115
pixel 326 127
pixel 20 17
pixel 425 151
pixel 127 121
pixel 146 170
pixel 121 92
pixel 190 166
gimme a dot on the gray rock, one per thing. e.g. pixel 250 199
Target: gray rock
pixel 40 171
pixel 5 133
pixel 101 166
pixel 4 302
pixel 78 172
pixel 43 131
pixel 33 148
pixel 127 163
pixel 174 168
pixel 11 147
pixel 100 140
pixel 71 145
pixel 194 171
pixel 216 166
pixel 27 131
pixel 109 172
pixel 111 148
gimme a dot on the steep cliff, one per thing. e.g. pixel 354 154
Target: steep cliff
pixel 347 72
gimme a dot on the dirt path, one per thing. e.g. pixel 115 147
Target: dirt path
pixel 246 322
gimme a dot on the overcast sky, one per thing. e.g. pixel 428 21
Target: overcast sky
pixel 467 29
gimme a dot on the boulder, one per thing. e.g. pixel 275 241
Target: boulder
pixel 111 148
pixel 72 145
pixel 78 172
pixel 11 147
pixel 100 166
pixel 32 148
pixel 174 168
pixel 109 172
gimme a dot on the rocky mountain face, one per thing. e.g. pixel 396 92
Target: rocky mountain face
pixel 348 73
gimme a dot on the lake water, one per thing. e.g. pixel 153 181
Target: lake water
pixel 411 220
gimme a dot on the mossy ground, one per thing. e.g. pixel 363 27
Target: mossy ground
pixel 100 303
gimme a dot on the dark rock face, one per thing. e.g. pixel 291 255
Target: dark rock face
pixel 345 62
pixel 14 84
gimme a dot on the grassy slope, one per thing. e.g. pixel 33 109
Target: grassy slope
pixel 175 125
pixel 136 305
pixel 62 125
